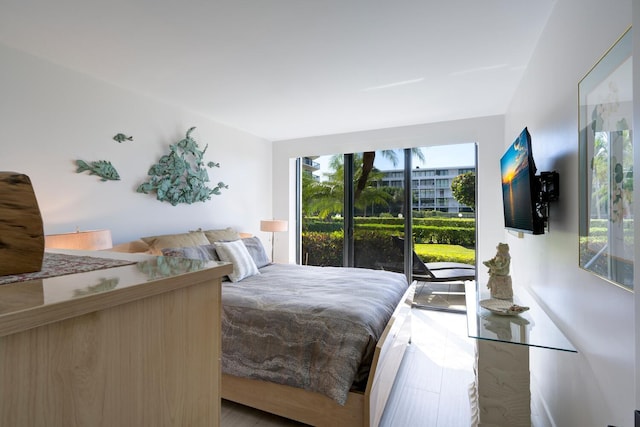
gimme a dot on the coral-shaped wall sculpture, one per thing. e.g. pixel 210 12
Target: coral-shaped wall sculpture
pixel 180 176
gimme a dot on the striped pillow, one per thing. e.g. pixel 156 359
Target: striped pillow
pixel 236 253
pixel 256 250
pixel 202 252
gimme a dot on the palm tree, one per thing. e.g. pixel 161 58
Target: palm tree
pixel 369 157
pixel 326 198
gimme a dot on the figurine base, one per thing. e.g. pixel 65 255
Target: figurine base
pixel 501 287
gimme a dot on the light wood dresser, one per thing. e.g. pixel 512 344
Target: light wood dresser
pixel 137 345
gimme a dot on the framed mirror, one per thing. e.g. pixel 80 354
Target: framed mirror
pixel 606 166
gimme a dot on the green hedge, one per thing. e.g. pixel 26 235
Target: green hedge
pixel 437 221
pixel 445 235
pixel 604 231
pixel 598 231
pixel 373 249
pixel 605 223
pixel 324 249
pixel 312 222
pixel 454 231
pixel 321 226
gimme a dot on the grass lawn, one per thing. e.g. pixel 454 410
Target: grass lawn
pixel 430 252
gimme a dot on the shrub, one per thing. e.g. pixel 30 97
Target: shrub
pixel 451 231
pixel 445 235
pixel 373 249
pixel 324 249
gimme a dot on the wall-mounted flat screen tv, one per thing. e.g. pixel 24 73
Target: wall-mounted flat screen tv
pixel 519 187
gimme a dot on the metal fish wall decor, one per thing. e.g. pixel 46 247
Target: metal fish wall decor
pixel 103 168
pixel 121 137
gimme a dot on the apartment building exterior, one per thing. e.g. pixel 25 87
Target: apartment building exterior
pixel 430 187
pixel 309 166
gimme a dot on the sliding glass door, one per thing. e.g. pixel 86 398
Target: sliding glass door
pixel 357 208
pixel 380 209
pixel 322 210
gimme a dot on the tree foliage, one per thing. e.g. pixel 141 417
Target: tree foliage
pixel 326 198
pixel 369 157
pixel 611 177
pixel 463 188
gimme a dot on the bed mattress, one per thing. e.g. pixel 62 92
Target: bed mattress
pixel 308 327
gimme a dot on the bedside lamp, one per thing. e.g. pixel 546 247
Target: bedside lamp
pixel 273 226
pixel 92 240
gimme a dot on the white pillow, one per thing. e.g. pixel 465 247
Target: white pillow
pixel 236 253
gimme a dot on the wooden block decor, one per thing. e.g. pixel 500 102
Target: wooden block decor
pixel 21 230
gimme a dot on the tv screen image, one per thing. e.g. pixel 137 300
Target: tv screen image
pixel 519 187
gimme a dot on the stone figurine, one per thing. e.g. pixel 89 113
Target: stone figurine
pixel 499 279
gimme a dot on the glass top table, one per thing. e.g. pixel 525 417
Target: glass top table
pixel 532 328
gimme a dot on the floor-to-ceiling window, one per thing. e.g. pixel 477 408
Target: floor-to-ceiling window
pixel 353 205
pixel 322 210
pixel 380 209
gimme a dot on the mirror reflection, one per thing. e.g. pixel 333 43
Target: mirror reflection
pixel 606 166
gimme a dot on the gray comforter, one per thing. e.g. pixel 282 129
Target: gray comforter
pixel 308 327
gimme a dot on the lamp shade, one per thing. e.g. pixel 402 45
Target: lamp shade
pixel 92 240
pixel 273 225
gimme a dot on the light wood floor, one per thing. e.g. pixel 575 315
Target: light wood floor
pixel 432 386
pixel 447 296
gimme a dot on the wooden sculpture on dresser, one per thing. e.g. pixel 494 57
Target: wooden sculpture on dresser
pixel 21 230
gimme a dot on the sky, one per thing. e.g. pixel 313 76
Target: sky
pixel 440 156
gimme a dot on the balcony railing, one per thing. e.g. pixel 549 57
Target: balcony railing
pixel 310 163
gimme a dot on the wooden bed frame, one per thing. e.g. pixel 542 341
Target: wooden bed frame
pixel 361 409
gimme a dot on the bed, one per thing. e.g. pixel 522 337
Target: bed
pixel 320 345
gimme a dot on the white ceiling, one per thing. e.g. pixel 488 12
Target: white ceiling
pixel 285 69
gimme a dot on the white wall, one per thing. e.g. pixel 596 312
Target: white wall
pixel 636 184
pixel 487 132
pixel 595 387
pixel 51 116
